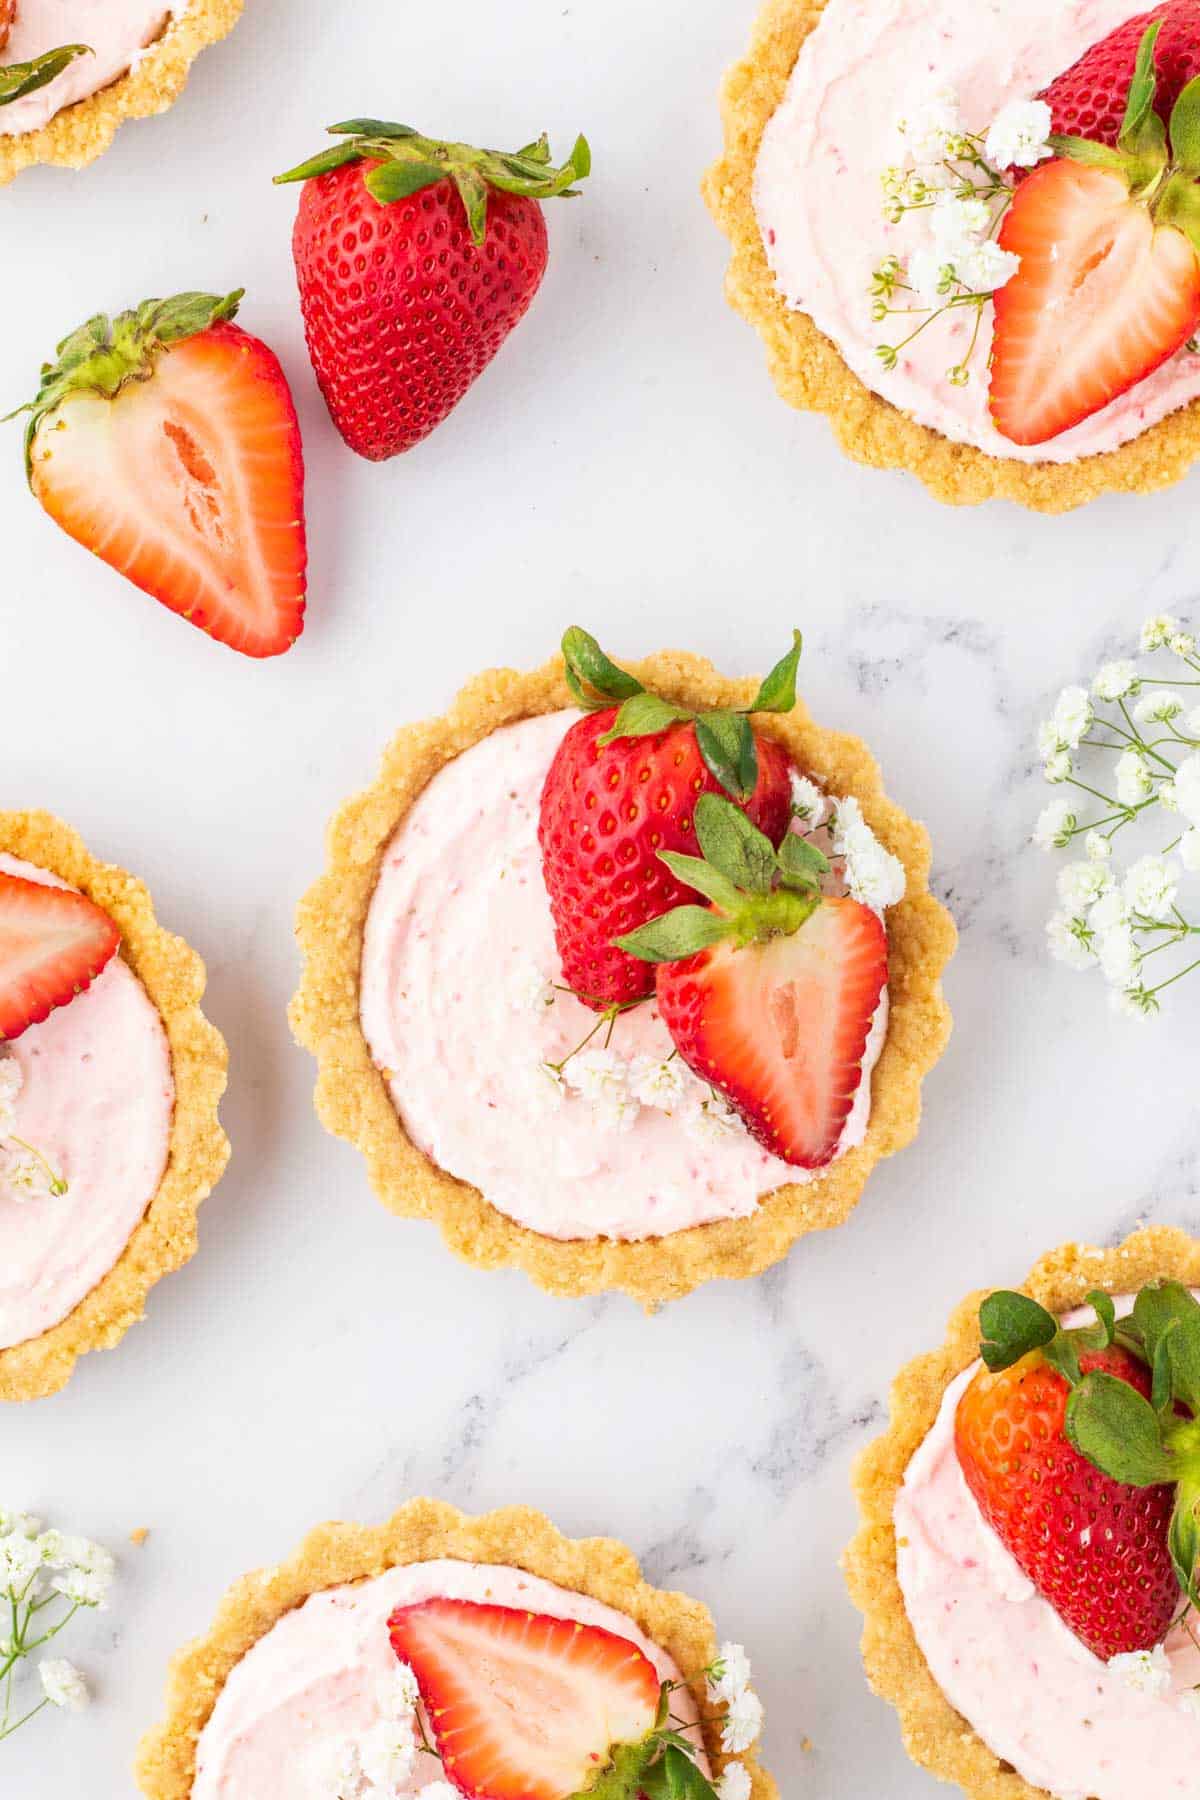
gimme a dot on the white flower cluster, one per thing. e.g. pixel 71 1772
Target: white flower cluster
pixel 38 1568
pixel 617 1088
pixel 729 1686
pixel 872 874
pixel 1145 1671
pixel 809 802
pixel 961 254
pixel 379 1763
pixel 24 1172
pixel 1107 919
pixel 1019 135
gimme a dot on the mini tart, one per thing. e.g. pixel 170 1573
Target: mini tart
pixel 80 133
pixel 936 1736
pixel 173 976
pixel 336 1554
pixel 808 369
pixel 352 1099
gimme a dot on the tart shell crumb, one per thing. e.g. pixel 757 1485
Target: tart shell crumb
pixel 173 976
pixel 936 1736
pixel 336 1554
pixel 80 133
pixel 352 1097
pixel 808 369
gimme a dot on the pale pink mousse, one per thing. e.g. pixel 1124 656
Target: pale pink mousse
pixel 326 1674
pixel 117 31
pixel 97 1100
pixel 460 910
pixel 818 198
pixel 1005 1660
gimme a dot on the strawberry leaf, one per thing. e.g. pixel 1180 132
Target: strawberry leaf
pixel 1082 150
pixel 1012 1326
pixel 374 128
pixel 778 692
pixel 734 846
pixel 19 79
pixel 726 743
pixel 678 934
pixel 397 180
pixel 695 873
pixel 1184 1538
pixel 1140 102
pixel 675 1777
pixel 801 864
pixel 1118 1431
pixel 588 667
pixel 643 715
pixel 1185 129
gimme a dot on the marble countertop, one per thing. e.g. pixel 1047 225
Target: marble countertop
pixel 319 1358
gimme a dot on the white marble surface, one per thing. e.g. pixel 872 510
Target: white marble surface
pixel 625 464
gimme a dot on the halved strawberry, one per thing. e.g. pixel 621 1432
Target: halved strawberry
pixel 53 944
pixel 8 13
pixel 523 1706
pixel 166 442
pixel 769 993
pixel 1104 296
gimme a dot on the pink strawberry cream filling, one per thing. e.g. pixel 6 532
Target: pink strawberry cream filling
pixel 96 1100
pixel 1005 1660
pixel 116 31
pixel 460 1012
pixel 325 1677
pixel 818 198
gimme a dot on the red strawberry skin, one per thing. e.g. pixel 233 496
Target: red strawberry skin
pixel 1094 1548
pixel 191 484
pixel 1088 100
pixel 53 944
pixel 402 311
pixel 606 813
pixel 523 1706
pixel 781 1027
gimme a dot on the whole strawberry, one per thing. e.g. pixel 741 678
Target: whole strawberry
pixel 1088 100
pixel 622 789
pixel 1084 1462
pixel 415 260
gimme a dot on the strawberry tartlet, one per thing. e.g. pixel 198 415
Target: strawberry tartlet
pixel 358 1667
pixel 969 239
pixel 110 1078
pixel 1028 1561
pixel 72 71
pixel 539 1035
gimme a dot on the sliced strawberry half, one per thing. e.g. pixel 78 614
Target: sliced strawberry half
pixel 781 1026
pixel 523 1706
pixel 1103 297
pixel 53 944
pixel 166 442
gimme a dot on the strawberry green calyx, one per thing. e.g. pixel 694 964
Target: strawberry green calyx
pixel 407 163
pixel 1159 160
pixel 661 1767
pixel 104 355
pixel 724 737
pixel 1141 1443
pixel 758 892
pixel 19 79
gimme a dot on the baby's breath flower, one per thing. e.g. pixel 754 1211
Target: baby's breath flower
pixel 658 1083
pixel 63 1684
pixel 734 1782
pixel 1098 847
pixel 1158 631
pixel 1111 910
pixel 1071 719
pixel 1134 1002
pixel 742 1723
pixel 1070 941
pixel 1145 1671
pixel 931 127
pixel 389 1755
pixel 931 277
pixel 1058 767
pixel 1055 824
pixel 729 1675
pixel 987 268
pixel 530 990
pixel 712 1121
pixel 598 1075
pixel 872 874
pixel 1019 135
pixel 808 801
pixel 1187 789
pixel 1118 953
pixel 1189 851
pixel 549 1087
pixel 1081 884
pixel 1151 886
pixel 1182 643
pixel 1114 680
pixel 408 1690
pixel 1134 783
pixel 19 1524
pixel 1158 707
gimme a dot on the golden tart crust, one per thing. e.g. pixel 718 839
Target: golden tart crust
pixel 808 369
pixel 336 1554
pixel 352 1098
pixel 935 1735
pixel 173 976
pixel 80 133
